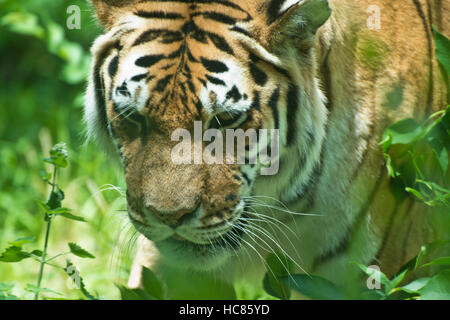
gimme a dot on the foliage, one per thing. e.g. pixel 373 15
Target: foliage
pixel 425 288
pixel 44 67
pixel 409 147
pixel 52 208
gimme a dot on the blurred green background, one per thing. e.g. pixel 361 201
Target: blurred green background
pixel 43 69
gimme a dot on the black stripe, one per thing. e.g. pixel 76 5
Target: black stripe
pixel 221 2
pixel 214 66
pixel 113 66
pixel 242 31
pixel 430 52
pixel 292 110
pixel 148 61
pixel 283 72
pixel 216 16
pixel 190 56
pixel 256 101
pixel 258 75
pixel 139 77
pixel 247 179
pixel 191 87
pixel 215 81
pixel 199 106
pixel 159 15
pixel 162 84
pixel 327 80
pixel 99 88
pixel 254 58
pixel 273 104
pixel 220 43
pixel 147 36
pixel 168 36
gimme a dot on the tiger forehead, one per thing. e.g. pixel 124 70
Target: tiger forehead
pixel 186 49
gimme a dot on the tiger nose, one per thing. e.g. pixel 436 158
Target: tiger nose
pixel 173 218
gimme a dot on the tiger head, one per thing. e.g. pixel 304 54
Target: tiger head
pixel 164 66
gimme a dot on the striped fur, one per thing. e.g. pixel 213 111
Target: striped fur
pixel 286 65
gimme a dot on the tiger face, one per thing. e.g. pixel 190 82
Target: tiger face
pixel 163 66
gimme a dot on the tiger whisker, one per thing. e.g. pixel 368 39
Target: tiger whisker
pixel 284 210
pixel 257 228
pixel 280 229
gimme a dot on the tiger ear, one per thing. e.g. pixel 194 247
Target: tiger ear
pixel 108 11
pixel 296 20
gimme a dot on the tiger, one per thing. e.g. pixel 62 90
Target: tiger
pixel 321 73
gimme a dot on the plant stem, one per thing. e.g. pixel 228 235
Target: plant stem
pixel 47 233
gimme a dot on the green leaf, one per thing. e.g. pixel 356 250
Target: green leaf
pixel 55 36
pixel 5 286
pixel 403 132
pixel 428 249
pixel 416 193
pixel 55 198
pixel 58 155
pixel 14 254
pixel 152 285
pixel 79 251
pixel 70 216
pixel 37 253
pixel 59 211
pixel 44 206
pixel 21 241
pixel 63 212
pixel 442 50
pixel 438 287
pixel 133 294
pixel 23 23
pixel 278 266
pixel 396 281
pixel 415 286
pixel 314 287
pixel 276 288
pixel 386 143
pixel 438 262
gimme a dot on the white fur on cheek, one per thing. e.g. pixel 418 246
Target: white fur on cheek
pixel 96 130
pixel 288 4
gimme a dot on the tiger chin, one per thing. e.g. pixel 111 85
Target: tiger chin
pixel 303 68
